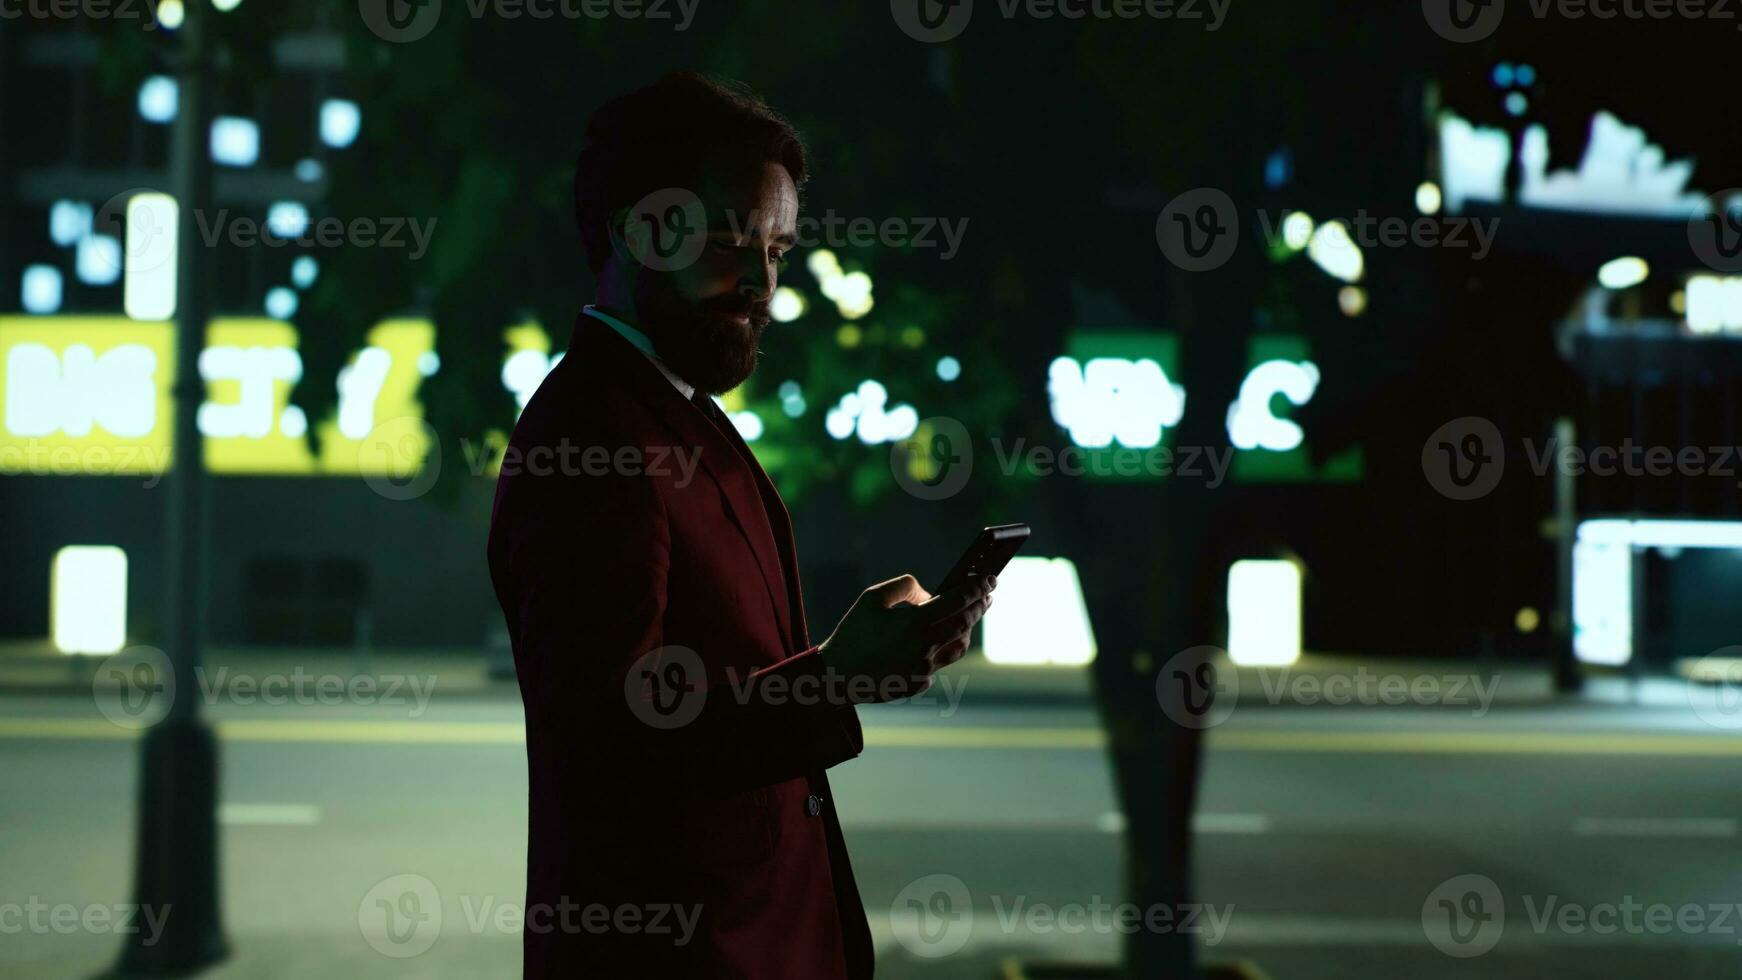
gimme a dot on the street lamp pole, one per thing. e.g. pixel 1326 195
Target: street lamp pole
pixel 176 869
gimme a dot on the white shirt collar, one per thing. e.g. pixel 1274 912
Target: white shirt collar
pixel 643 344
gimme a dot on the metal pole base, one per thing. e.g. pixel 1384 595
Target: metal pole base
pixel 176 865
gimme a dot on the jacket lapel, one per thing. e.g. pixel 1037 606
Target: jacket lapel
pixel 737 476
pixel 780 522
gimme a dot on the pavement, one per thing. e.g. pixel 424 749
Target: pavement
pixel 1506 835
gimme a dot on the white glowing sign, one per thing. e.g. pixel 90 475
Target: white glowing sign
pixel 1251 422
pixel 75 390
pixel 1111 399
pixel 1621 172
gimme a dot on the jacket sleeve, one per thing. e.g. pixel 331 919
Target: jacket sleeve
pixel 590 558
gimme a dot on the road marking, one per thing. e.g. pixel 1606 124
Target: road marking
pixel 1480 743
pixel 945 736
pixel 982 737
pixel 1231 823
pixel 1688 827
pixel 268 815
pixel 1113 822
pixel 1259 930
pixel 1011 929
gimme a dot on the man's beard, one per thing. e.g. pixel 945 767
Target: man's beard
pixel 696 340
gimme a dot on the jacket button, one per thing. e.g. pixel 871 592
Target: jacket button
pixel 813 805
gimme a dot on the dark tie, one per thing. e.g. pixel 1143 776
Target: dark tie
pixel 703 401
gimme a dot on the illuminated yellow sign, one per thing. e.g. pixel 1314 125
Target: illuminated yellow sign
pixel 85 395
pixel 91 396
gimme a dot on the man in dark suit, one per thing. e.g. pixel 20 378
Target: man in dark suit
pixel 679 719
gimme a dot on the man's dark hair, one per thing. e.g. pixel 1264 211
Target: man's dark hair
pixel 670 134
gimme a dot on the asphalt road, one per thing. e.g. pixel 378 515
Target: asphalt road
pixel 1535 840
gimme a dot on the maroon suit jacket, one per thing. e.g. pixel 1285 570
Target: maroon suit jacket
pixel 676 763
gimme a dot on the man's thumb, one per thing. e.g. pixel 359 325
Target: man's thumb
pixel 901 588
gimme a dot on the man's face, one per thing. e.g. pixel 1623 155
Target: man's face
pixel 706 318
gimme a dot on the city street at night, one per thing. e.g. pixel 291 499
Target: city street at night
pixel 1322 831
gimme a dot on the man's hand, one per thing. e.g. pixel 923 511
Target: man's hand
pixel 897 635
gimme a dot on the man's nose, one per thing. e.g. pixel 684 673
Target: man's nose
pixel 756 283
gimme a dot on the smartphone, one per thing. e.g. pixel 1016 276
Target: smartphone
pixel 988 555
